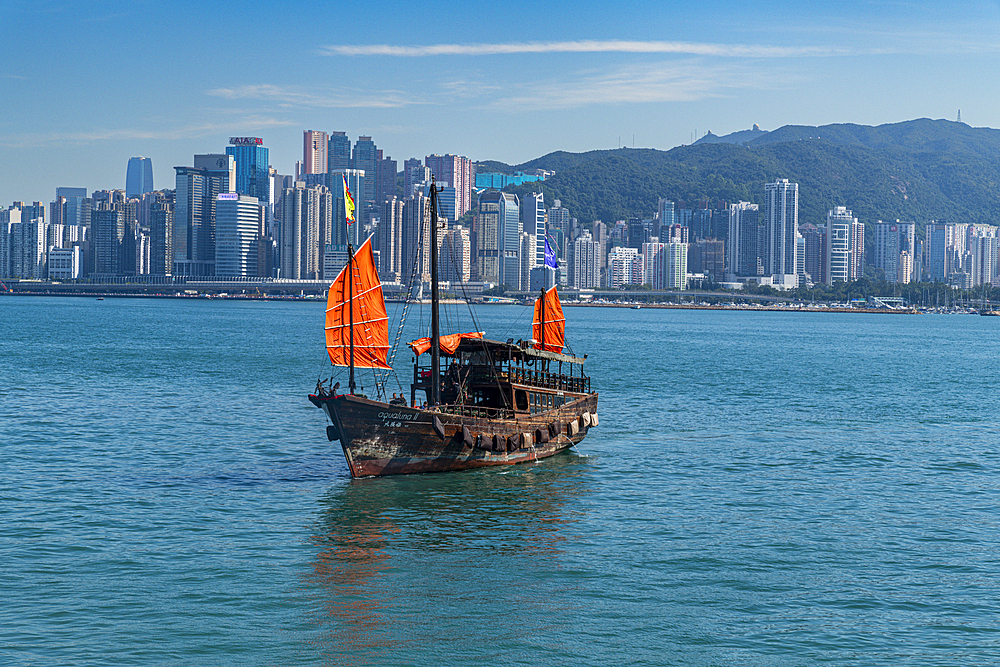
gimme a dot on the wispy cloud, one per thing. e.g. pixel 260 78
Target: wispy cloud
pixel 247 123
pixel 652 83
pixel 584 46
pixel 285 96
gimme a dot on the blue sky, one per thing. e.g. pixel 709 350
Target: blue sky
pixel 86 85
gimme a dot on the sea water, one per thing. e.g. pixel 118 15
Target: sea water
pixel 764 488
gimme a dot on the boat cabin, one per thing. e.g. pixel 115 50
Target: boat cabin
pixel 497 380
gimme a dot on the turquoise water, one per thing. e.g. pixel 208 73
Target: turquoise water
pixel 764 489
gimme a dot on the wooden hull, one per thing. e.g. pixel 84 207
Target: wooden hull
pixel 381 439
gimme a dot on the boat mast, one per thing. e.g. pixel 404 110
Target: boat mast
pixel 541 325
pixel 434 397
pixel 350 309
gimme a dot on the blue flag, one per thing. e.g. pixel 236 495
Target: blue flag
pixel 550 255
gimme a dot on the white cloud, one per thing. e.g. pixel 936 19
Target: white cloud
pixel 247 123
pixel 314 97
pixel 674 82
pixel 584 46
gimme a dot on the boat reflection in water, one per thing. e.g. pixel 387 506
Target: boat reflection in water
pixel 413 565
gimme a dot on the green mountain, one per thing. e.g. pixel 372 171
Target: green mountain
pixel 919 170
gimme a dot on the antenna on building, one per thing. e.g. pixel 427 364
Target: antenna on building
pixel 959 115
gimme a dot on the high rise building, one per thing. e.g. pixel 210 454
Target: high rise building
pixel 781 225
pixel 498 237
pixel 446 204
pixel 366 158
pixel 314 155
pixel 815 252
pixel 624 267
pixel 385 180
pixel 414 173
pixel 338 151
pixel 654 264
pixel 161 223
pixel 8 218
pixel 139 176
pixel 676 265
pixel 707 257
pixel 637 233
pixel 665 212
pixel 509 232
pixel 939 250
pixel 389 241
pixel 458 172
pixel 981 252
pixel 533 222
pixel 416 254
pixel 196 194
pixel 343 233
pixel 455 255
pixel 891 239
pixel 239 226
pixel 526 256
pixel 842 230
pixel 583 265
pixel 306 227
pixel 108 230
pixel 252 169
pixel 558 217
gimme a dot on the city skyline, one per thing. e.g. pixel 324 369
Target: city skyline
pixel 604 77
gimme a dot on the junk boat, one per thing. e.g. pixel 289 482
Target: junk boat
pixel 493 403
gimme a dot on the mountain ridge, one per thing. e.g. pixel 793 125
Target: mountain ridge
pixel 917 170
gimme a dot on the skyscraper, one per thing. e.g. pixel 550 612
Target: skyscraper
pixel 239 226
pixel 139 176
pixel 338 151
pixel 815 252
pixel 533 222
pixel 365 158
pixel 510 240
pixel 842 243
pixel 197 191
pixel 939 250
pixel 389 242
pixel 252 169
pixel 417 237
pixel 743 256
pixel 781 225
pixel 306 221
pixel 342 232
pixel 457 171
pixel 487 235
pixel 314 155
pixel 161 223
pixel 583 262
pixel 385 180
pixel 455 255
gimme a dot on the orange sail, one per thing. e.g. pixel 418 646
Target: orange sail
pixel 448 343
pixel 362 298
pixel 549 310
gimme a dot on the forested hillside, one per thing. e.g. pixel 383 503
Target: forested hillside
pixel 919 170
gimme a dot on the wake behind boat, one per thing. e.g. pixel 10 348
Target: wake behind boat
pixel 496 403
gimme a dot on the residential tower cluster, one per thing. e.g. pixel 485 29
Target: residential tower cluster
pixel 231 214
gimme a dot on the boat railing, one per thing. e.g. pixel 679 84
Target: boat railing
pixel 514 375
pixel 548 380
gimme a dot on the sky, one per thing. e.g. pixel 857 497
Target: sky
pixel 86 85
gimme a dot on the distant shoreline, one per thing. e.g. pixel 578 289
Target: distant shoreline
pixel 566 304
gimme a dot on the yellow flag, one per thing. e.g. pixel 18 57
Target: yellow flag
pixel 348 202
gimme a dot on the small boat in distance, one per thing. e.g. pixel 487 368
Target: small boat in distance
pixel 496 403
pixel 990 313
